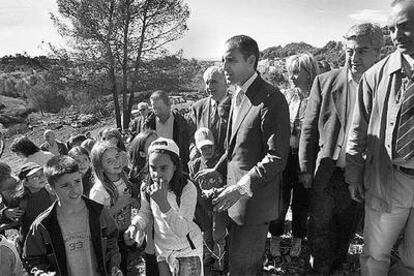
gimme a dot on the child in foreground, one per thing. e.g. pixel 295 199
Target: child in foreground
pixel 214 238
pixel 178 239
pixel 75 236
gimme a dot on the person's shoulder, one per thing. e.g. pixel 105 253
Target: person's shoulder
pixel 200 102
pixel 189 187
pixel 332 74
pixel 99 194
pixel 93 206
pixel 383 65
pixel 43 217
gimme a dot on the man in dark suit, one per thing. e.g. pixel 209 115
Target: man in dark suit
pixel 333 214
pixel 205 112
pixel 169 124
pixel 257 149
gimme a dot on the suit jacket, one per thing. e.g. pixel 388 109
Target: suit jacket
pixel 323 130
pixel 200 116
pixel 259 147
pixel 370 146
pixel 180 135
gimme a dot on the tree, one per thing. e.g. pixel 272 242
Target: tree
pixel 118 36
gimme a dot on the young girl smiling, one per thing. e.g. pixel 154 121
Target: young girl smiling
pixel 113 190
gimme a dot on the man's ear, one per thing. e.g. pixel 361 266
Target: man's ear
pixel 251 60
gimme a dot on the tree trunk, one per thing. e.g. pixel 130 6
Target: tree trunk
pixel 125 110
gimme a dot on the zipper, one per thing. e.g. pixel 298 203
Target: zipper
pixel 54 256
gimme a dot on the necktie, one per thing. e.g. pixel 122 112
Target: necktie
pixel 404 145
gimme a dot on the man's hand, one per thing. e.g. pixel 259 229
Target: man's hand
pixel 357 191
pixel 227 198
pixel 13 214
pixel 306 180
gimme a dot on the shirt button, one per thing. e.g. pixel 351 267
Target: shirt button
pixel 388 146
pixel 392 123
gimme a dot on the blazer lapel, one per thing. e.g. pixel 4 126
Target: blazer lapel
pixel 339 95
pixel 244 109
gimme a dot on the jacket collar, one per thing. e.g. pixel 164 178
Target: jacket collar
pixel 395 62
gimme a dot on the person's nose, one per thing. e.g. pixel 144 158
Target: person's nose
pixel 355 56
pixel 75 187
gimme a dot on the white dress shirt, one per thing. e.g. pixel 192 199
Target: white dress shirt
pixel 166 129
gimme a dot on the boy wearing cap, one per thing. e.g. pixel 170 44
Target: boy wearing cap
pixel 26 199
pixel 75 236
pixel 215 239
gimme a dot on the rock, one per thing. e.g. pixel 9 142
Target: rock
pixel 8 120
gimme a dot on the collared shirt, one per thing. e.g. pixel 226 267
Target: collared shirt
pixel 240 89
pixel 350 104
pixel 166 129
pixel 297 105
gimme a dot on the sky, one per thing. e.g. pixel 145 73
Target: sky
pixel 25 25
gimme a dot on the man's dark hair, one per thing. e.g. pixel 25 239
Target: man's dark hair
pixel 160 94
pixel 23 145
pixel 246 45
pixel 58 166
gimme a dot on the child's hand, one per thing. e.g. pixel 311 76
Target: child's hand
pixel 130 234
pixel 158 192
pixel 13 214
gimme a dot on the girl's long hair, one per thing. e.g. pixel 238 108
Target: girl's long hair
pixel 137 146
pixel 179 179
pixel 97 153
pixel 114 132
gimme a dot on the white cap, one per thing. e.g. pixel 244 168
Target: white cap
pixel 203 136
pixel 164 144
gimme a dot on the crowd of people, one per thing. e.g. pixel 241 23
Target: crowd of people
pixel 204 192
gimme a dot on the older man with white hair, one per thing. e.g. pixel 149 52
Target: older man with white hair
pixel 205 112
